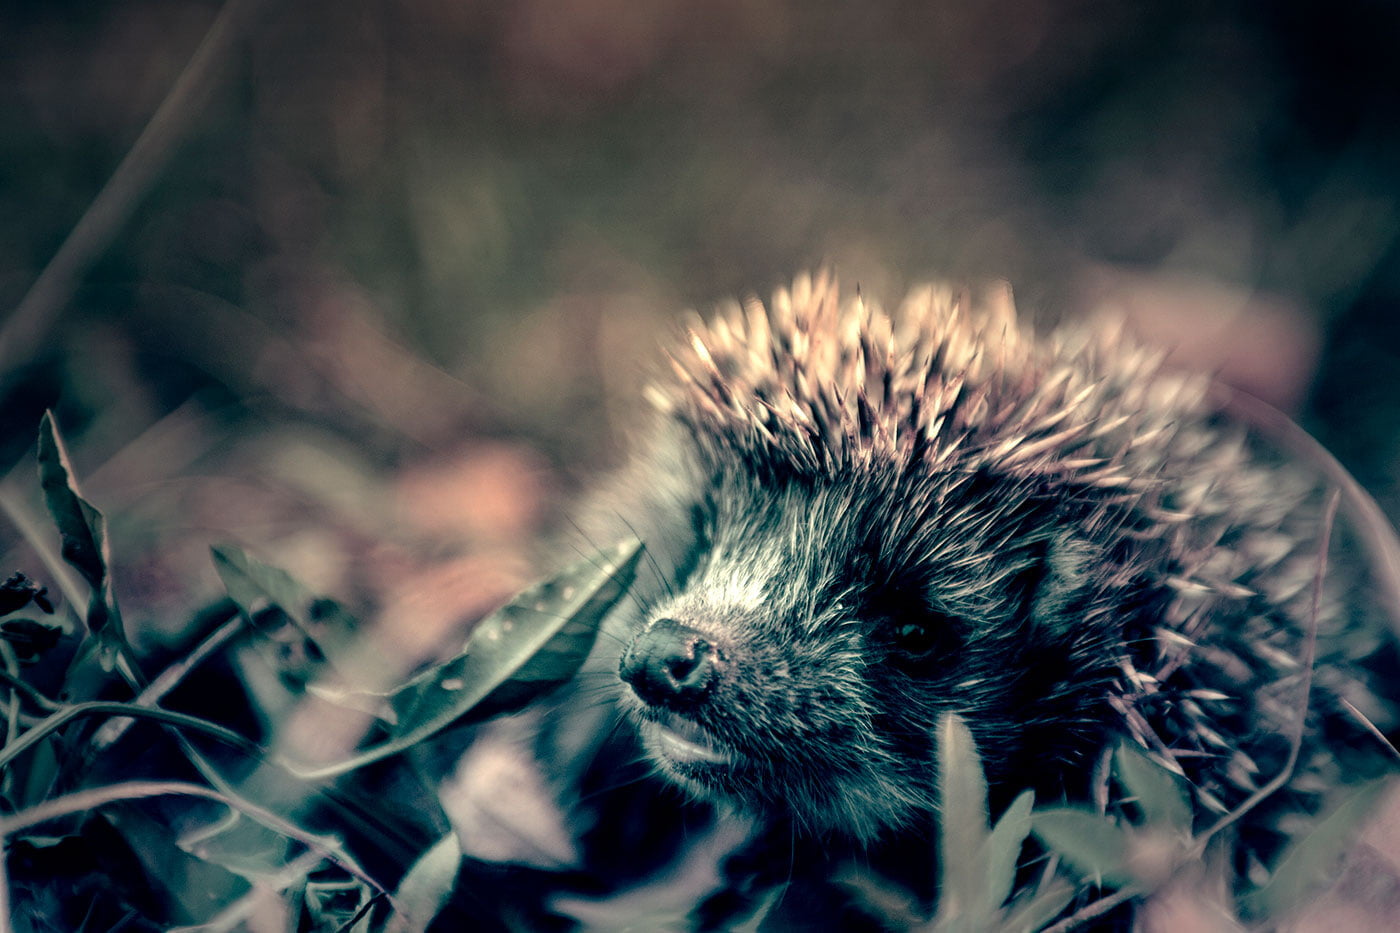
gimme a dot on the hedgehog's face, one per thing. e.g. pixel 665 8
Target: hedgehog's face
pixel 802 663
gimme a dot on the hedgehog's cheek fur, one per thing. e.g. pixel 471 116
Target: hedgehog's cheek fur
pixel 782 725
pixel 738 704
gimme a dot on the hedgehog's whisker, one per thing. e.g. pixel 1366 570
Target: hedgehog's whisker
pixel 1365 722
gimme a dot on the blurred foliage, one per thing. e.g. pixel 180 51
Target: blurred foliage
pixel 434 242
pixel 81 852
pixel 1072 867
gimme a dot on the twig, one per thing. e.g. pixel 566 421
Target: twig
pixel 84 800
pixel 368 905
pixel 224 791
pixel 1096 909
pixel 10 673
pixel 1365 722
pixel 168 680
pixel 30 692
pixel 4 898
pixel 129 182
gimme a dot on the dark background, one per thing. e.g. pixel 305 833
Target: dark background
pixel 384 302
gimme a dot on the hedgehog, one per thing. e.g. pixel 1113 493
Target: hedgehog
pixel 861 521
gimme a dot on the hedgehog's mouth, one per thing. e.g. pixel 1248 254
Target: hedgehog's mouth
pixel 683 745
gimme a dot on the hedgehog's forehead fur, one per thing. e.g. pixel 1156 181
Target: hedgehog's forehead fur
pixel 813 382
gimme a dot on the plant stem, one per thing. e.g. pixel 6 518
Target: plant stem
pixel 169 679
pixel 129 182
pixel 100 708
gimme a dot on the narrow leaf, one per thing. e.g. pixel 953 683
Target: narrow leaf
pixel 82 533
pixel 521 651
pixel 1003 850
pixel 528 647
pixel 81 529
pixel 1157 791
pixel 962 804
pixel 1094 845
pixel 255 586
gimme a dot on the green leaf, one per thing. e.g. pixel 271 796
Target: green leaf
pixel 255 586
pixel 530 646
pixel 520 652
pixel 1093 844
pixel 33 781
pixel 1035 912
pixel 240 846
pixel 1312 861
pixel 82 533
pixel 427 886
pixel 962 824
pixel 1002 851
pixel 196 889
pixel 1160 794
pixel 81 528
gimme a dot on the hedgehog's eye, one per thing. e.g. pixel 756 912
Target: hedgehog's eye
pixel 908 627
pixel 916 633
pixel 915 640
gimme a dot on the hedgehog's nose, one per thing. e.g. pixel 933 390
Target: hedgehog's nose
pixel 670 665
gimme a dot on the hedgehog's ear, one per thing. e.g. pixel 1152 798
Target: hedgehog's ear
pixel 1063 579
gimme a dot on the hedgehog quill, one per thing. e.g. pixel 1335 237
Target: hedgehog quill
pixel 864 521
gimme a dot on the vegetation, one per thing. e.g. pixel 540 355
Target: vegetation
pixel 67 768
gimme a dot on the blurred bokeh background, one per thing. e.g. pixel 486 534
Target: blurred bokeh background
pixel 382 302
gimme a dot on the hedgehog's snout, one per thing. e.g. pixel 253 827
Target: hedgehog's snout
pixel 670 665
